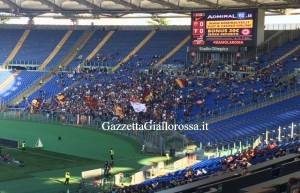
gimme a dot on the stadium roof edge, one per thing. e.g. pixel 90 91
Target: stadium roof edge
pixel 118 8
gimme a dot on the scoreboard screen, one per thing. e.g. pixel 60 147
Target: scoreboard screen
pixel 224 28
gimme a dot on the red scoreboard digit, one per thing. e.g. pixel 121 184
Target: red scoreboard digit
pixel 198 28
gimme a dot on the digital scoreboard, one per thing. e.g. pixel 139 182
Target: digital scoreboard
pixel 225 28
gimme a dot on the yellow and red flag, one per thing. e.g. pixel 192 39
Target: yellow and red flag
pixel 119 111
pixel 181 82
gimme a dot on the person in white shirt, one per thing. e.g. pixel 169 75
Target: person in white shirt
pixel 198 172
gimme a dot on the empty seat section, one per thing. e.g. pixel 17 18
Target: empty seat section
pixel 38 46
pixel 66 49
pixel 8 40
pixel 20 84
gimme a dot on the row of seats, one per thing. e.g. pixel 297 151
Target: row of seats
pixel 65 50
pixel 8 40
pixel 38 45
pixel 156 48
pixel 119 46
pixel 249 124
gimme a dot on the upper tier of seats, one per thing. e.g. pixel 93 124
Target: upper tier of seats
pixel 156 48
pixel 88 48
pixel 118 47
pixel 8 40
pixel 40 43
pixel 66 49
pixel 38 46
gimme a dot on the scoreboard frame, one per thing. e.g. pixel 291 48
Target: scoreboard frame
pixel 235 27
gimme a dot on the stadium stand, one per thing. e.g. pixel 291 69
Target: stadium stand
pixel 133 52
pixel 118 47
pixel 77 79
pixel 152 52
pixel 19 84
pixel 56 50
pixel 216 101
pixel 66 48
pixel 37 46
pixel 7 46
pixel 87 48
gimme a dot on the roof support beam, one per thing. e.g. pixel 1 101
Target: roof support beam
pixel 205 2
pixel 88 4
pixel 165 4
pixel 12 5
pixel 279 11
pixel 50 4
pixel 127 4
pixel 248 2
pixel 291 1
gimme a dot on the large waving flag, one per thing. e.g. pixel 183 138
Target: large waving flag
pixel 181 82
pixel 92 102
pixel 61 98
pixel 147 95
pixel 37 103
pixel 138 107
pixel 119 111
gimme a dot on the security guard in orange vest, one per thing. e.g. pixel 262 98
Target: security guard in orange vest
pixel 67 176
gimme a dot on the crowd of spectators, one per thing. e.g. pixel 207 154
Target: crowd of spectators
pixel 99 60
pixel 209 90
pixel 118 90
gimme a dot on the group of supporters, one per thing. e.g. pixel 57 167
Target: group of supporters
pixel 201 89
